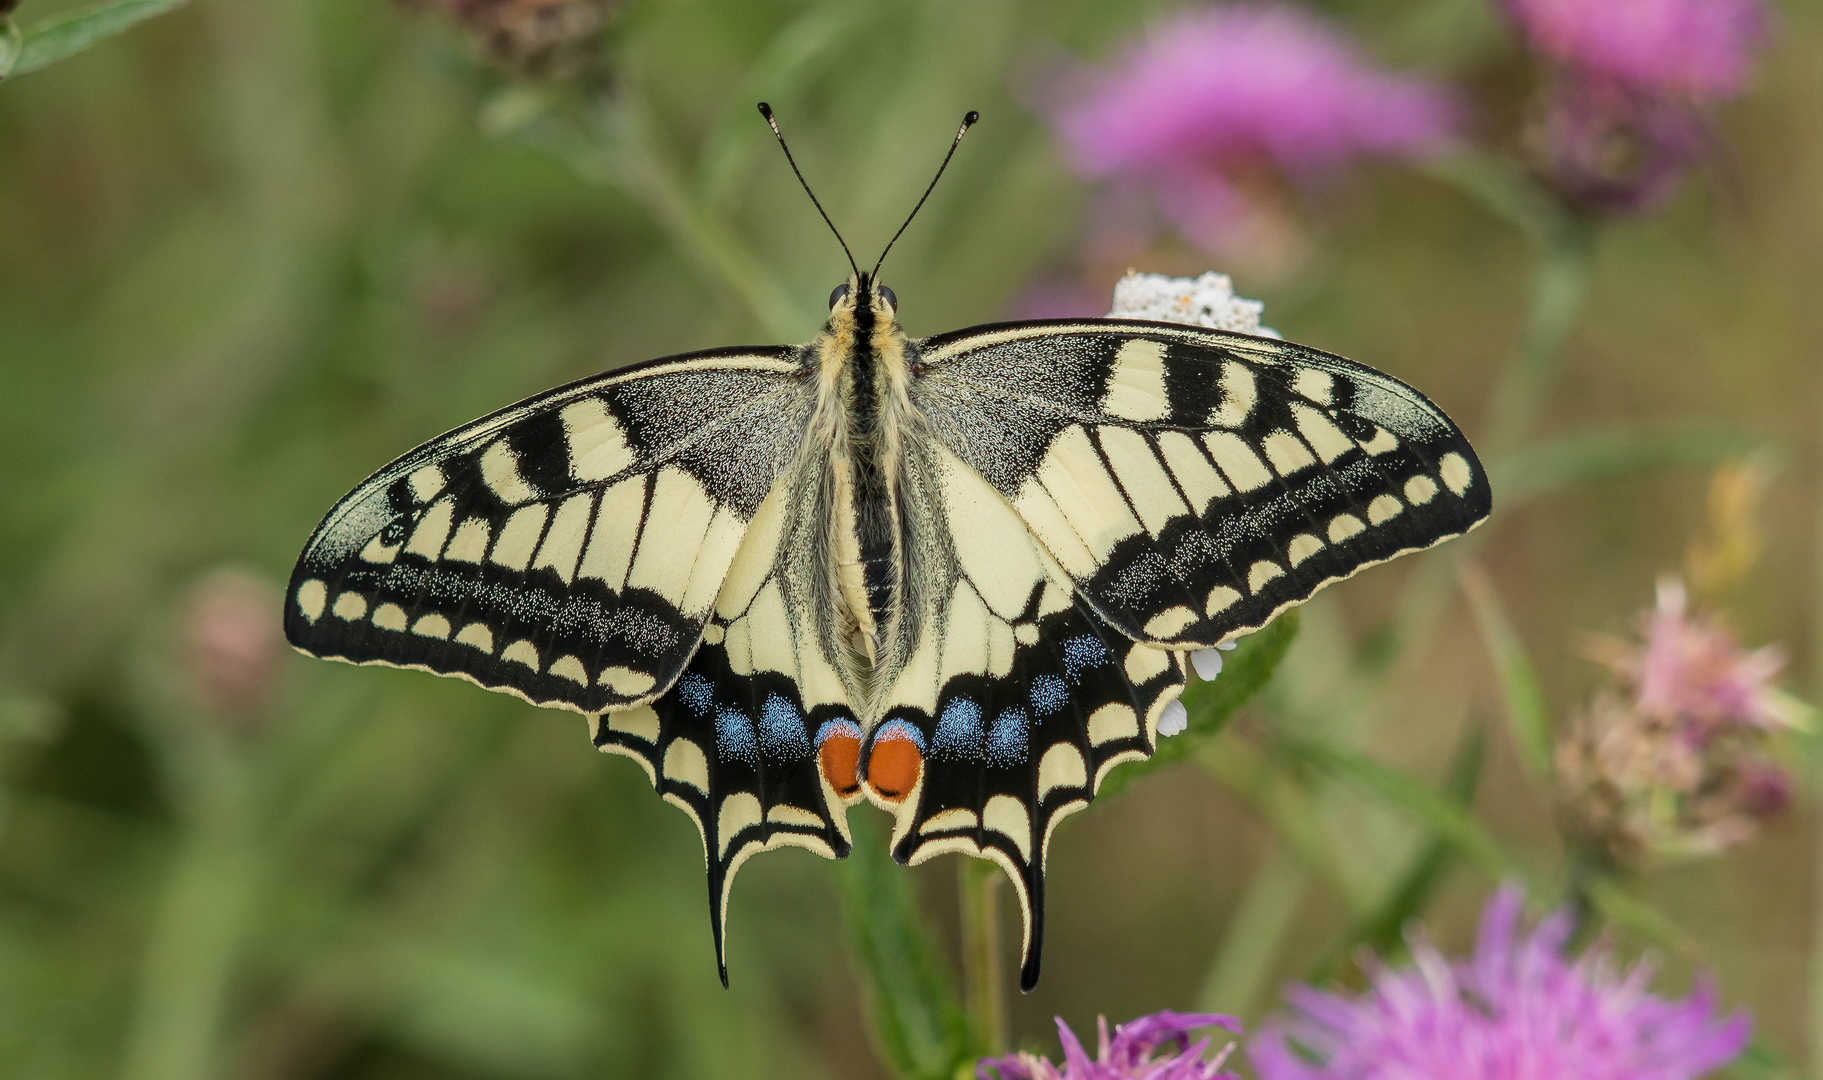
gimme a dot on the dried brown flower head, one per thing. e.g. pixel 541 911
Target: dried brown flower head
pixel 538 39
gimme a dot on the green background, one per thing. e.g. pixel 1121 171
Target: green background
pixel 253 249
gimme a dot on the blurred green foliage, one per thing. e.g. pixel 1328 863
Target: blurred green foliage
pixel 23 51
pixel 253 250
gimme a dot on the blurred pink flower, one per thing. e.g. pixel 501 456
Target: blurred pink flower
pixel 1130 1055
pixel 1691 670
pixel 1210 98
pixel 1694 48
pixel 232 644
pixel 1672 760
pixel 1518 1009
pixel 1622 117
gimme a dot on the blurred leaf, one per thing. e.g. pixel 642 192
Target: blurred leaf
pixel 1608 454
pixel 1438 812
pixel 1245 671
pixel 1382 929
pixel 918 1019
pixel 67 35
pixel 513 108
pixel 1614 904
pixel 1507 192
pixel 1519 688
pixel 24 716
pixel 508 1014
pixel 11 43
pixel 1761 1062
pixel 1252 940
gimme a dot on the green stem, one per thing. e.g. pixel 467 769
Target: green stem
pixel 704 240
pixel 1585 873
pixel 613 147
pixel 1815 1011
pixel 1560 286
pixel 983 972
pixel 920 1026
pixel 1255 933
pixel 183 988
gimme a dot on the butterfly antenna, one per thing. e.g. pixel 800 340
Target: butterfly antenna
pixel 968 121
pixel 766 111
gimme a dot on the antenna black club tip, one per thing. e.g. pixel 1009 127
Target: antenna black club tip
pixel 765 110
pixel 971 119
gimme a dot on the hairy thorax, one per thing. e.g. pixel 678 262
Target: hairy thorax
pixel 863 414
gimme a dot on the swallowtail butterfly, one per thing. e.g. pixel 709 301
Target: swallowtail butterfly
pixel 957 576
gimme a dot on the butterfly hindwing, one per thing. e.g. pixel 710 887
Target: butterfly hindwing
pixel 1194 483
pixel 567 549
pixel 756 741
pixel 1015 705
pixel 739 754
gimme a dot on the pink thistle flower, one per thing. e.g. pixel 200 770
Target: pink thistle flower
pixel 1131 1054
pixel 1693 670
pixel 1209 99
pixel 1671 761
pixel 1622 118
pixel 1693 48
pixel 1518 1009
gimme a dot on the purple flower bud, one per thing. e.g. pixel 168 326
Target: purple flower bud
pixel 1761 789
pixel 1610 149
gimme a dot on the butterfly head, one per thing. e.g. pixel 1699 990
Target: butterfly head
pixel 860 294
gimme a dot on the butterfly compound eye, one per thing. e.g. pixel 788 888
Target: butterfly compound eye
pixel 837 295
pixel 892 301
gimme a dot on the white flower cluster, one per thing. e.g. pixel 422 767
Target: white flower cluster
pixel 1205 301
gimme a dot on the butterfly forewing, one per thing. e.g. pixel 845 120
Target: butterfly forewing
pixel 1194 483
pixel 567 549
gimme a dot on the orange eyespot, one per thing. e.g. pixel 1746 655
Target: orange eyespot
pixel 894 763
pixel 839 756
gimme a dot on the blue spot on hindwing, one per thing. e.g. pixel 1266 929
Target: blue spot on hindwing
pixel 899 729
pixel 696 694
pixel 782 730
pixel 959 730
pixel 734 736
pixel 1009 741
pixel 838 726
pixel 1082 652
pixel 1049 695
